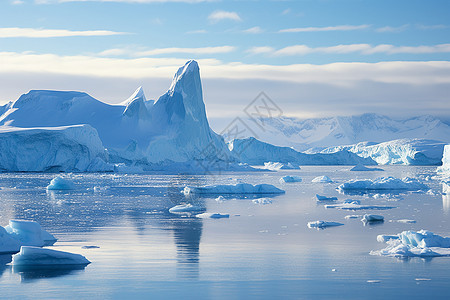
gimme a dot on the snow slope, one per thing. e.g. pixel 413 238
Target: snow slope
pixel 70 148
pixel 255 152
pixel 172 130
pixel 335 131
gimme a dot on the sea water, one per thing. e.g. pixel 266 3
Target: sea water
pixel 139 250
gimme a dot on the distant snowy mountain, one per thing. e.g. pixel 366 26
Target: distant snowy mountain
pixel 172 130
pixel 336 131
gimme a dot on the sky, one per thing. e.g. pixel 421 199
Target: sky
pixel 313 58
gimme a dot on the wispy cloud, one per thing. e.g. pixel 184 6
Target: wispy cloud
pixel 365 49
pixel 253 30
pixel 17 2
pixel 393 29
pixel 221 15
pixel 121 1
pixel 163 51
pixel 347 74
pixel 200 31
pixel 15 32
pixel 328 28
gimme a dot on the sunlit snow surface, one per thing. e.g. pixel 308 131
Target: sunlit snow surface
pixel 259 252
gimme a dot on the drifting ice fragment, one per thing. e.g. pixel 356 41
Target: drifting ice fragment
pixel 30 233
pixel 240 188
pixel 384 183
pixel 59 183
pixel 323 224
pixel 364 168
pixel 212 216
pixel 8 244
pixel 322 179
pixel 32 256
pixel 422 243
pixel 325 198
pixel 372 218
pixel 186 208
pixel 287 179
pixel 262 201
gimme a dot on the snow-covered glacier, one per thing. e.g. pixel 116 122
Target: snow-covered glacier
pixel 76 148
pixel 174 130
pixel 402 151
pixel 255 152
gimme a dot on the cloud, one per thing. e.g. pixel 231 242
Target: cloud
pixel 122 1
pixel 329 28
pixel 15 32
pixel 161 51
pixel 17 2
pixel 364 49
pixel 253 30
pixel 393 29
pixel 200 31
pixel 221 15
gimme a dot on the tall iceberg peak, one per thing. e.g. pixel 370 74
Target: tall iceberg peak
pixel 135 105
pixel 138 94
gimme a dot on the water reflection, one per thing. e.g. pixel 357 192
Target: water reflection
pixel 32 273
pixel 4 260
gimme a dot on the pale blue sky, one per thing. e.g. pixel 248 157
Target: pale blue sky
pixel 300 52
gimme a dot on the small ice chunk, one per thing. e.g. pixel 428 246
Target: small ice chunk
pixel 406 221
pixel 212 216
pixel 220 199
pixel 372 218
pixel 90 247
pixel 59 183
pixel 32 256
pixel 322 179
pixel 352 216
pixel 30 233
pixel 8 244
pixel 422 279
pixel 290 179
pixel 240 188
pixel 275 166
pixel 384 183
pixel 325 198
pixel 323 224
pixel 373 281
pixel 186 208
pixel 355 206
pixel 383 238
pixel 364 168
pixel 262 201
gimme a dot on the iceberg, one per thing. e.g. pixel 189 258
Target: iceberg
pixel 322 179
pixel 422 243
pixel 323 224
pixel 412 151
pixel 239 188
pixel 364 168
pixel 173 131
pixel 213 216
pixel 30 233
pixel 383 184
pixel 372 218
pixel 35 256
pixel 60 183
pixel 290 179
pixel 76 148
pixel 255 152
pixel 8 244
pixel 355 205
pixel 325 198
pixel 444 170
pixel 275 166
pixel 186 208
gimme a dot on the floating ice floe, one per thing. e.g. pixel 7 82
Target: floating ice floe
pixel 8 244
pixel 372 218
pixel 352 217
pixel 29 233
pixel 406 221
pixel 356 205
pixel 275 166
pixel 35 256
pixel 364 168
pixel 220 199
pixel 212 216
pixel 323 224
pixel 290 179
pixel 262 201
pixel 240 188
pixel 186 208
pixel 322 179
pixel 384 183
pixel 422 243
pixel 325 198
pixel 59 183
